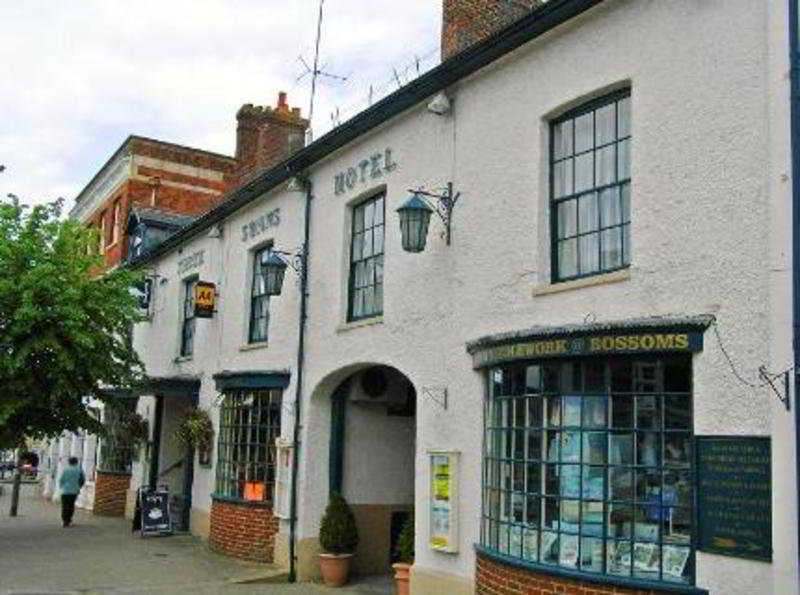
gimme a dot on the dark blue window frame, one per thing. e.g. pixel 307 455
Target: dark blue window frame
pixel 590 183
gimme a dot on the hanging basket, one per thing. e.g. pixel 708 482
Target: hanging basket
pixel 195 430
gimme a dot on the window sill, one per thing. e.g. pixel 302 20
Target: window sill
pixel 183 358
pixel 254 346
pixel 603 579
pixel 601 279
pixel 242 502
pixel 348 326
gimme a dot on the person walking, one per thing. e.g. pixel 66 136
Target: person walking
pixel 70 483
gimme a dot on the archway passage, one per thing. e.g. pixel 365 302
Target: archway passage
pixel 372 450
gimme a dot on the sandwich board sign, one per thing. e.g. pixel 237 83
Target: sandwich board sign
pixel 154 506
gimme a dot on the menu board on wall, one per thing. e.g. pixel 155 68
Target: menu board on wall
pixel 444 501
pixel 734 496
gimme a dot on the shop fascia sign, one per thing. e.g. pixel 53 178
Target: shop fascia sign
pixel 204 298
pixel 595 344
pixel 368 169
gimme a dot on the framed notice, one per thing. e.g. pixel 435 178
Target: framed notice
pixel 734 496
pixel 284 452
pixel 443 500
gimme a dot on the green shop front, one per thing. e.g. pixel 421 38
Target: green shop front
pixel 592 472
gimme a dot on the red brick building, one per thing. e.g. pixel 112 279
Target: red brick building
pixel 152 174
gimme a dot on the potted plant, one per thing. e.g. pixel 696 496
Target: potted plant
pixel 338 538
pixel 405 556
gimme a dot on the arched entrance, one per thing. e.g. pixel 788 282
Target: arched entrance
pixel 371 458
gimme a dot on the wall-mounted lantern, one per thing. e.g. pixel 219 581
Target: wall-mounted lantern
pixel 273 267
pixel 415 216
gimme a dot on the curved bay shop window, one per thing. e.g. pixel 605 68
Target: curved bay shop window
pixel 250 420
pixel 588 465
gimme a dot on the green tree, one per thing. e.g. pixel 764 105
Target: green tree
pixel 64 327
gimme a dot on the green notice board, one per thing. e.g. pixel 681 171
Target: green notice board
pixel 734 493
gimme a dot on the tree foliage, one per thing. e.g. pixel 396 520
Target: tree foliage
pixel 64 327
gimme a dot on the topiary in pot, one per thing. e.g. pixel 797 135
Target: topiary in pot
pixel 405 553
pixel 338 538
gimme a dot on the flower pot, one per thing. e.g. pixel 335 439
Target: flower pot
pixel 401 577
pixel 335 568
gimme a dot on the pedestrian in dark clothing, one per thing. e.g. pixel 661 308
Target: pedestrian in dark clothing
pixel 71 482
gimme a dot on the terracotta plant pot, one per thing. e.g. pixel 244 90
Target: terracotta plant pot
pixel 401 577
pixel 335 568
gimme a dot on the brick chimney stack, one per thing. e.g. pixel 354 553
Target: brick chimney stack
pixel 265 136
pixel 465 22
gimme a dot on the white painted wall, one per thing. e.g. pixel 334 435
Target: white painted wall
pixel 709 229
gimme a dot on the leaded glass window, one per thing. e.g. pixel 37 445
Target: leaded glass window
pixel 590 173
pixel 259 301
pixel 249 423
pixel 188 325
pixel 588 466
pixel 366 259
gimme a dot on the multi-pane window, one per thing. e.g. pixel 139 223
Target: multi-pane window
pixel 366 259
pixel 250 421
pixel 259 301
pixel 102 241
pixel 188 326
pixel 588 466
pixel 590 172
pixel 115 223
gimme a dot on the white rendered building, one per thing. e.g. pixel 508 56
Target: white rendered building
pixel 569 390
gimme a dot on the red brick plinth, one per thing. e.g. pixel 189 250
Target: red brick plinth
pixel 243 530
pixel 496 578
pixel 110 493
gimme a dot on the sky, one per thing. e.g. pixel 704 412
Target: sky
pixel 79 76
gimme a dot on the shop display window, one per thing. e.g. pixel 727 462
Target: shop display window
pixel 588 466
pixel 249 424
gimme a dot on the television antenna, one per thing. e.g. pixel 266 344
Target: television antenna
pixel 317 70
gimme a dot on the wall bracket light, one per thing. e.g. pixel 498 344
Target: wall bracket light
pixel 273 267
pixel 415 216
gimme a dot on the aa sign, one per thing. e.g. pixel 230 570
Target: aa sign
pixel 204 299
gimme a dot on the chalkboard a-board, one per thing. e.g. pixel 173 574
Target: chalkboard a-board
pixel 155 512
pixel 734 496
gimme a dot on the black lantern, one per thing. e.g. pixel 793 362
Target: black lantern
pixel 272 269
pixel 415 215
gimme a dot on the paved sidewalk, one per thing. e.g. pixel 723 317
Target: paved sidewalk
pixel 100 555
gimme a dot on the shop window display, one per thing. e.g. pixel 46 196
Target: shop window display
pixel 588 466
pixel 249 424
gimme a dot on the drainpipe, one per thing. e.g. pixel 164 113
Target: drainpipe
pixel 299 382
pixel 794 110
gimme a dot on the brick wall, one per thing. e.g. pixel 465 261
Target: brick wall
pixel 243 531
pixel 465 22
pixel 495 578
pixel 110 492
pixel 265 136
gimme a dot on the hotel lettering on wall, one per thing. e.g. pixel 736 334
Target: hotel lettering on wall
pixel 260 224
pixel 368 169
pixel 187 263
pixel 599 344
pixel 204 299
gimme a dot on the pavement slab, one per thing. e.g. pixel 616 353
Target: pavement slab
pixel 100 555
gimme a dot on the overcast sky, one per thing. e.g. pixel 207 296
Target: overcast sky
pixel 79 76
